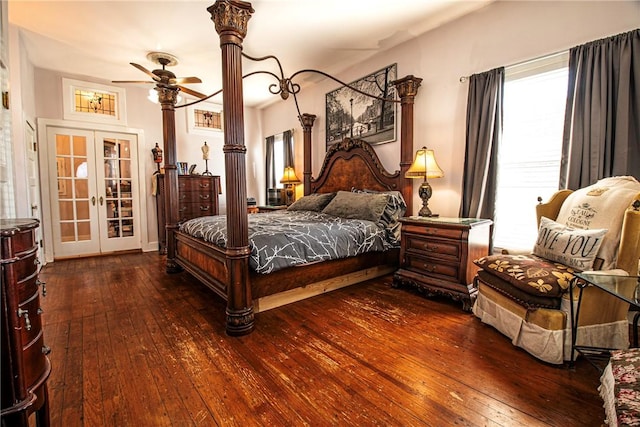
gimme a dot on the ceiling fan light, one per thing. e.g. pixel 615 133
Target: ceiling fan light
pixel 153 96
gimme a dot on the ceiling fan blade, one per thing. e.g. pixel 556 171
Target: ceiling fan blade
pixel 183 80
pixel 132 81
pixel 144 70
pixel 191 92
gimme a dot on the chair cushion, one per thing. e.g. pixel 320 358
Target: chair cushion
pixel 571 247
pixel 601 205
pixel 530 274
pixel 521 298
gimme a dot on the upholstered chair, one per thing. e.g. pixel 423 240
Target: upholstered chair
pixel 526 297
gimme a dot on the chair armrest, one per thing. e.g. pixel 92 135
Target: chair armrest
pixel 552 207
pixel 629 249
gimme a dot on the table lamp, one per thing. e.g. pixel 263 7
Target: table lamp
pixel 289 179
pixel 425 166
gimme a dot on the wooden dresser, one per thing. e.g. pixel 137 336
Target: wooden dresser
pixel 436 254
pixel 25 365
pixel 197 196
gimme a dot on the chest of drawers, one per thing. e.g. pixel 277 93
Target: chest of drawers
pixel 436 254
pixel 25 365
pixel 197 196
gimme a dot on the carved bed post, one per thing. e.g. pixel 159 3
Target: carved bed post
pixel 306 120
pixel 230 18
pixel 407 88
pixel 168 97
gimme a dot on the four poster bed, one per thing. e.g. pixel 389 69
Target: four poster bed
pixel 348 164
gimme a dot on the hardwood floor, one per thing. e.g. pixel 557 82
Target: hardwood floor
pixel 133 346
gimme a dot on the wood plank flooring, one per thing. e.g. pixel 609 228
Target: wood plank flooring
pixel 134 346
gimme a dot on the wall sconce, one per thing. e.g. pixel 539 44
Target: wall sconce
pixel 425 166
pixel 289 179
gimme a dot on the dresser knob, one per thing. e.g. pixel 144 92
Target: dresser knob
pixel 429 248
pixel 25 314
pixel 204 208
pixel 44 287
pixel 46 349
pixel 39 310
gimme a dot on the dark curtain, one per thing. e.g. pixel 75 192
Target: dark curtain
pixel 602 118
pixel 271 174
pixel 287 148
pixel 484 129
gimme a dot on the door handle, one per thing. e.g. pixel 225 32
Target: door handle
pixel 101 200
pixel 93 200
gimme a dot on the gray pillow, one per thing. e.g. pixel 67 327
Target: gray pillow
pixel 312 202
pixel 393 211
pixel 366 206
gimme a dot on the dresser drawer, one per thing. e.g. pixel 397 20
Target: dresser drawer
pixel 195 184
pixel 433 231
pixel 33 311
pixel 27 287
pixel 22 242
pixel 431 267
pixel 35 361
pixel 444 249
pixel 24 267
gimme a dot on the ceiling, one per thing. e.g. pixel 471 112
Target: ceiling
pixel 101 38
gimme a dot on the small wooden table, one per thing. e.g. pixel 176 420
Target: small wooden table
pixel 436 255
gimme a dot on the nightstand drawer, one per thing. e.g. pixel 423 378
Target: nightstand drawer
pixel 429 267
pixel 445 249
pixel 433 231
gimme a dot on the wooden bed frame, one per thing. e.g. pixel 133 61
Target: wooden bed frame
pixel 349 163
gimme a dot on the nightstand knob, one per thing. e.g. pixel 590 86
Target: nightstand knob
pixel 429 248
pixel 46 349
pixel 429 267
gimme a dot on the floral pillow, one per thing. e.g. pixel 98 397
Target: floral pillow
pixel 529 273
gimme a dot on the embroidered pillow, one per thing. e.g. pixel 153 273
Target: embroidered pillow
pixel 529 273
pixel 569 246
pixel 312 202
pixel 601 205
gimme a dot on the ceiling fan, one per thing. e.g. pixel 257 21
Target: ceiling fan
pixel 164 77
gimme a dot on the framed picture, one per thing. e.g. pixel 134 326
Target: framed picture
pixel 204 118
pixel 354 115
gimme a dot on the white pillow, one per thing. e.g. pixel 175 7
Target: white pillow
pixel 568 246
pixel 601 205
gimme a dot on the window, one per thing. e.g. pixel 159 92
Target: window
pixel 93 102
pixel 535 96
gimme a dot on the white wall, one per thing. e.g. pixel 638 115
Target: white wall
pixel 501 34
pixel 141 114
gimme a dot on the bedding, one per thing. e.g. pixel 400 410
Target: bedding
pixel 286 238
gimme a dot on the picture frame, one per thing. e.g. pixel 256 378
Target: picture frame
pixel 355 115
pixel 204 118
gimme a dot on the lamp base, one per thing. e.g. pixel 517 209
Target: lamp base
pixel 425 193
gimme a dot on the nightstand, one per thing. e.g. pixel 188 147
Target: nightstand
pixel 436 255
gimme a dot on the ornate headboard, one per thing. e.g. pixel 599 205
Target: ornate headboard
pixel 352 163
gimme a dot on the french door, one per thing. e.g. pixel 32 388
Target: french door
pixel 94 191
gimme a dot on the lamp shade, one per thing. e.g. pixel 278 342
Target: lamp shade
pixel 289 176
pixel 424 166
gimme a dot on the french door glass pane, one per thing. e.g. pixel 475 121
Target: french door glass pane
pixel 117 173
